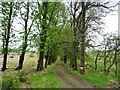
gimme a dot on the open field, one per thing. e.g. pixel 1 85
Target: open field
pixel 27 77
pixel 55 76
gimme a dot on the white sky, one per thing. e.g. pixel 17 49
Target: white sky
pixel 111 23
pixel 111 26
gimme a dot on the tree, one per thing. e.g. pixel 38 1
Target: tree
pixel 48 21
pixel 74 7
pixel 43 33
pixel 83 20
pixel 25 17
pixel 6 25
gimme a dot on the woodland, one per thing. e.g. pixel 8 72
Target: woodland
pixel 47 44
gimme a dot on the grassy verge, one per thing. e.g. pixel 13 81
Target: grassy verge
pixel 47 79
pixel 96 78
pixel 32 79
pixel 28 77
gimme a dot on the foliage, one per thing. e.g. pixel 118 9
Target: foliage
pixel 59 30
pixel 10 82
pixel 22 77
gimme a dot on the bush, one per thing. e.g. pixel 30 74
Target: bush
pixel 10 83
pixel 22 77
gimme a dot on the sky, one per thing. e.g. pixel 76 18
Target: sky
pixel 111 23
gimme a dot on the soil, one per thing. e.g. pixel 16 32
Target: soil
pixel 69 80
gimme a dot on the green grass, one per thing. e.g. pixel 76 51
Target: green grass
pixel 10 82
pixel 96 78
pixel 28 77
pixel 45 79
pixel 48 79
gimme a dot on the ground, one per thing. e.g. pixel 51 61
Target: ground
pixel 69 80
pixel 57 75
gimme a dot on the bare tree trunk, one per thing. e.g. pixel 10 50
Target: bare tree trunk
pixel 74 62
pixel 7 39
pixel 116 67
pixel 65 59
pixel 40 60
pixel 50 56
pixel 105 57
pixel 65 56
pixel 21 59
pixel 3 46
pixel 96 60
pixel 113 61
pixel 24 46
pixel 47 56
pixel 83 30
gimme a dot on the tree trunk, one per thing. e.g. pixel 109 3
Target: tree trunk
pixel 3 46
pixel 83 30
pixel 74 63
pixel 47 56
pixel 105 65
pixel 7 39
pixel 50 60
pixel 113 61
pixel 41 57
pixel 96 59
pixel 75 56
pixel 116 67
pixel 43 37
pixel 65 56
pixel 105 57
pixel 21 61
pixel 65 59
pixel 4 62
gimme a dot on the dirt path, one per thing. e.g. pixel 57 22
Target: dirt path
pixel 69 80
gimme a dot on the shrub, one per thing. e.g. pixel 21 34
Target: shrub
pixel 22 77
pixel 10 83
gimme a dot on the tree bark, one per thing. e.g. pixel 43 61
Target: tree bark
pixel 43 37
pixel 73 61
pixel 7 39
pixel 21 60
pixel 65 56
pixel 105 57
pixel 47 56
pixel 65 59
pixel 96 59
pixel 50 57
pixel 83 30
pixel 113 61
pixel 40 60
